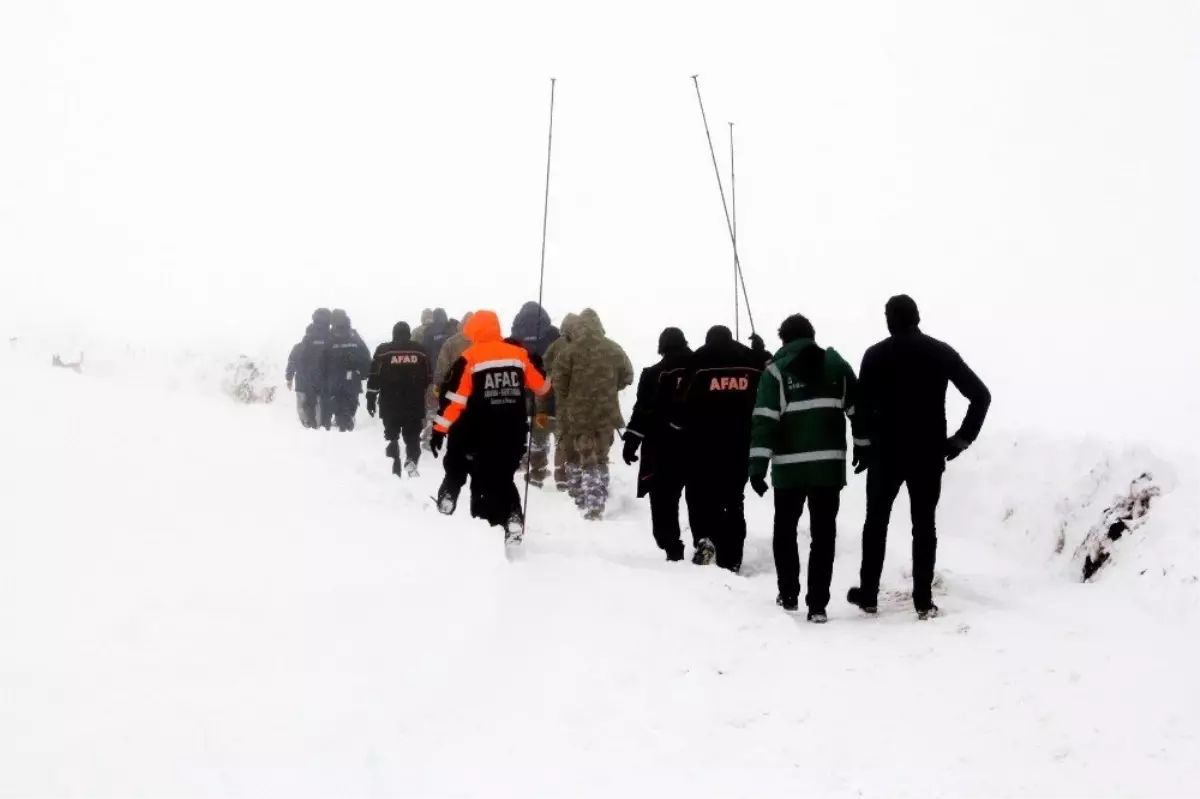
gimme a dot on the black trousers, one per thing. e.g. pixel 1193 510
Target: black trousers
pixel 823 505
pixel 924 481
pixel 494 494
pixel 456 461
pixel 717 511
pixel 306 408
pixel 325 410
pixel 665 494
pixel 339 409
pixel 395 427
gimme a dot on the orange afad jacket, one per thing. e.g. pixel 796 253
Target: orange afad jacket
pixel 496 375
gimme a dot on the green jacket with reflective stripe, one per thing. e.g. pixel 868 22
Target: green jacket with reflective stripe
pixel 799 423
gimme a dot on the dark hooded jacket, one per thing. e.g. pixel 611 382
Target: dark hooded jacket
pixel 902 396
pixel 346 361
pixel 654 423
pixel 436 334
pixel 306 360
pixel 532 326
pixel 400 374
pixel 716 402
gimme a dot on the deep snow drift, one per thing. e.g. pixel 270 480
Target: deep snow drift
pixel 199 598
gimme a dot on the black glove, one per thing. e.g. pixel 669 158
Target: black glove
pixel 757 344
pixel 862 456
pixel 955 446
pixel 435 442
pixel 371 404
pixel 631 447
pixel 759 484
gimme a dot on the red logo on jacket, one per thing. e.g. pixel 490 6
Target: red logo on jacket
pixel 729 384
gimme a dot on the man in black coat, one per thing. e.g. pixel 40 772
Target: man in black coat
pixel 717 402
pixel 400 376
pixel 902 397
pixel 345 364
pixel 533 329
pixel 303 372
pixel 653 428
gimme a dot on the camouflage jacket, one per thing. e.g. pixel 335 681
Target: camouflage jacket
pixel 452 350
pixel 587 375
pixel 547 404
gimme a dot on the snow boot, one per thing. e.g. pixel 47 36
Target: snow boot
pixel 514 530
pixel 790 604
pixel 855 596
pixel 446 503
pixel 674 555
pixel 817 616
pixel 410 469
pixel 706 553
pixel 393 450
pixel 594 515
pixel 925 614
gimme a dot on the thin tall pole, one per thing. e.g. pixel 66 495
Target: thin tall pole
pixel 737 316
pixel 541 290
pixel 728 220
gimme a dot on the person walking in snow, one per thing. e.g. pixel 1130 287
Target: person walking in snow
pixel 547 407
pixel 345 364
pixel 799 429
pixel 654 428
pixel 400 377
pixel 489 402
pixel 303 373
pixel 418 333
pixel 452 350
pixel 902 441
pixel 716 402
pixel 533 329
pixel 587 377
pixel 434 336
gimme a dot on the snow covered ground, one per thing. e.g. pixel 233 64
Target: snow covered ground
pixel 199 598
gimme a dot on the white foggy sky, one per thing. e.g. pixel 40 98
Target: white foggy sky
pixel 1028 171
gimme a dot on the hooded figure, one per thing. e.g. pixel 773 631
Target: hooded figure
pixel 547 407
pixel 426 317
pixel 533 328
pixel 902 439
pixel 346 362
pixel 588 376
pixel 453 349
pixel 715 403
pixel 400 376
pixel 436 333
pixel 798 431
pixel 654 429
pixel 487 402
pixel 304 371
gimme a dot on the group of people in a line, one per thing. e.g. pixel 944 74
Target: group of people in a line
pixel 705 423
pixel 708 421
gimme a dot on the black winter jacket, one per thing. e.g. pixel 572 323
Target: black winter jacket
pixel 533 329
pixel 306 361
pixel 400 375
pixel 902 396
pixel 717 402
pixel 345 363
pixel 654 421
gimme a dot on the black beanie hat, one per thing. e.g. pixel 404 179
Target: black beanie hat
pixel 671 340
pixel 718 334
